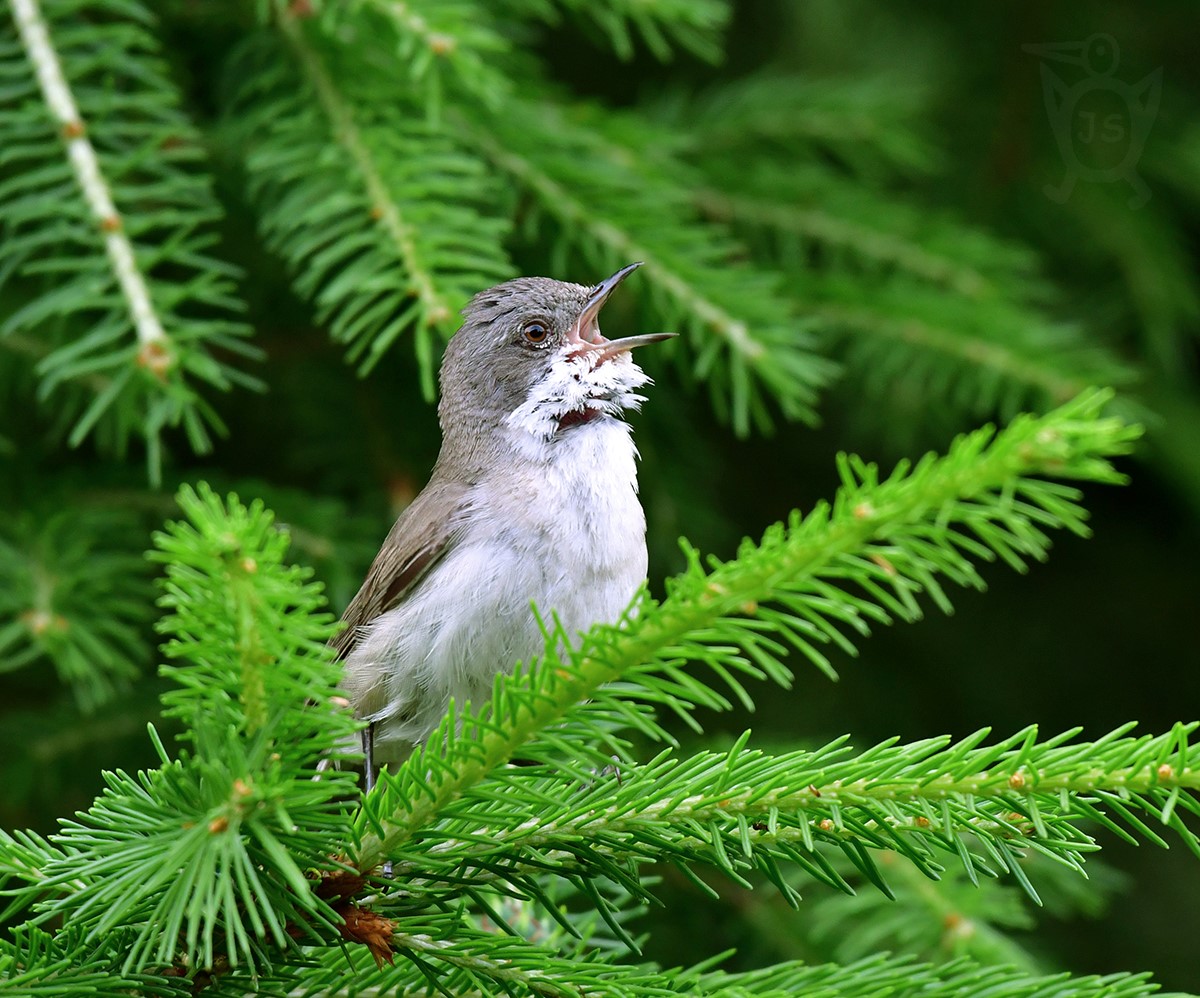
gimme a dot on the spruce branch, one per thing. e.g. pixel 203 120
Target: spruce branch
pixel 437 43
pixel 347 134
pixel 105 219
pixel 1149 256
pixel 984 806
pixel 954 916
pixel 868 124
pixel 82 156
pixel 927 306
pixel 978 355
pixel 798 227
pixel 888 539
pixel 901 977
pixel 70 592
pixel 816 216
pixel 40 964
pixel 212 854
pixel 481 963
pixel 693 25
pixel 410 237
pixel 251 631
pixel 924 304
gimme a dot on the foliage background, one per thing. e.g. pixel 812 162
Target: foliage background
pixel 958 143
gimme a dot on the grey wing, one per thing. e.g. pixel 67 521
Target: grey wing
pixel 417 541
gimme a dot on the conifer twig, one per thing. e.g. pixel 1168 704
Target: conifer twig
pixel 823 226
pixel 155 352
pixel 346 132
pixel 992 355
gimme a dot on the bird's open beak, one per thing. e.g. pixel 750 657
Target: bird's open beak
pixel 586 335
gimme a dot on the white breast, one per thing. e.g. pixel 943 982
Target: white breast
pixel 562 530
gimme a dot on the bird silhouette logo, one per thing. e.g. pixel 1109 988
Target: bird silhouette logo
pixel 1100 123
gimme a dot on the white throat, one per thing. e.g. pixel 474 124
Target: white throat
pixel 579 386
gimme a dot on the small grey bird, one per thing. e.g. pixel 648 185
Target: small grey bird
pixel 533 500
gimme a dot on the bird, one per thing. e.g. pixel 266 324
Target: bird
pixel 533 501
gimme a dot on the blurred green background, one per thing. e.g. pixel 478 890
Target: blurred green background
pixel 1104 633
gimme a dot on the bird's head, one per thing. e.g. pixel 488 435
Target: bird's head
pixel 530 357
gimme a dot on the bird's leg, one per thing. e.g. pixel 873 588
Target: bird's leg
pixel 368 747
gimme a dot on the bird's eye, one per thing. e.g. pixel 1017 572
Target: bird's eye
pixel 535 332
